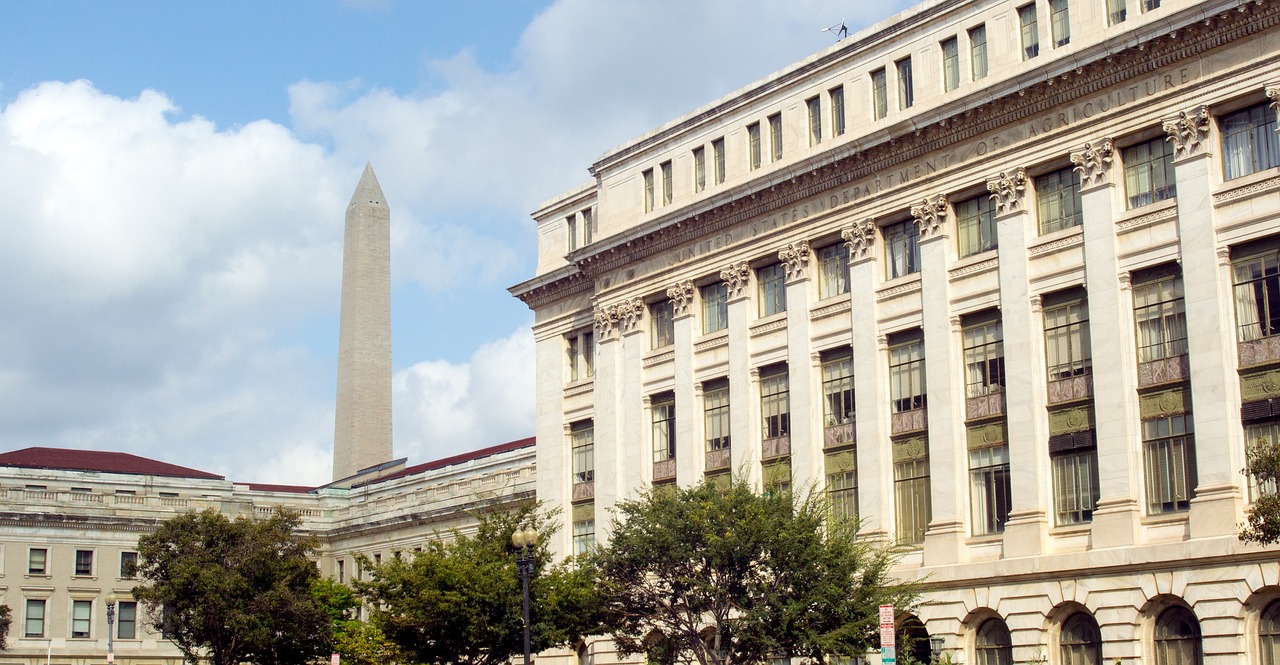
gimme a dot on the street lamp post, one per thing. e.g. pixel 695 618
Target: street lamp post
pixel 524 541
pixel 111 627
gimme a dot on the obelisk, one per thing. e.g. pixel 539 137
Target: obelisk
pixel 362 427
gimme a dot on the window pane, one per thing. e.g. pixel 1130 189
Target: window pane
pixel 1148 172
pixel 902 249
pixel 1075 486
pixel 1249 141
pixel 772 289
pixel 1029 29
pixel 879 93
pixel 582 438
pixel 715 307
pixel 906 91
pixel 1058 200
pixel 663 409
pixel 715 404
pixel 950 64
pixel 833 271
pixel 978 51
pixel 1061 23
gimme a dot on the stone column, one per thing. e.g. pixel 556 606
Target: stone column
pixel 944 541
pixel 607 424
pixel 806 406
pixel 690 459
pixel 1026 532
pixel 1117 518
pixel 744 427
pixel 635 450
pixel 871 377
pixel 1206 282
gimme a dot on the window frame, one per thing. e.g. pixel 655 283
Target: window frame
pixel 833 270
pixel 1144 168
pixel 838 388
pixel 27 618
pixel 908 389
pixel 906 85
pixel 715 310
pixel 982 343
pixel 775 403
pixel 715 414
pixel 775 136
pixel 771 288
pixel 1053 190
pixel 835 98
pixel 128 565
pixel 129 619
pixel 82 619
pixel 1169 482
pixel 1074 503
pixel 1160 324
pixel 662 324
pixel 978 63
pixel 976 226
pixel 647 177
pixel 44 561
pixel 699 168
pixel 1060 22
pixel 85 570
pixel 1250 130
pixel 1029 29
pixel 1074 329
pixel 754 154
pixel 901 238
pixel 814 108
pixel 1255 289
pixel 912 499
pixel 1117 11
pixel 668 193
pixel 990 489
pixel 950 63
pixel 662 411
pixel 582 448
pixel 879 93
pixel 717 152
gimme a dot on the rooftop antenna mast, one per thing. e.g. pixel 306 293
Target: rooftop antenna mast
pixel 839 30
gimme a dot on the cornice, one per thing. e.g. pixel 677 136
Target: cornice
pixel 550 287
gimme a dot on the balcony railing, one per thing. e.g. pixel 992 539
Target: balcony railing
pixel 839 435
pixel 984 406
pixel 1259 351
pixel 664 470
pixel 1164 370
pixel 718 459
pixel 778 446
pixel 1070 389
pixel 585 490
pixel 904 422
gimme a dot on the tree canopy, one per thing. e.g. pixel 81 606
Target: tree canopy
pixel 6 619
pixel 1262 464
pixel 234 591
pixel 727 576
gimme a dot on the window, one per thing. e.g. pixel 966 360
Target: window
pixel 662 327
pixel 699 169
pixel 836 95
pixel 911 496
pixel 35 618
pixel 976 225
pixel 1066 340
pixel 1168 452
pixel 978 51
pixel 753 145
pixel 879 94
pixel 663 410
pixel 584 528
pixel 81 613
pixel 84 563
pixel 906 91
pixel 1265 433
pixel 128 565
pixel 1058 200
pixel 715 307
pixel 666 182
pixel 1060 22
pixel 717 152
pixel 993 646
pixel 580 354
pixel 773 289
pixel 1177 638
pixel 1030 31
pixel 1080 643
pixel 950 64
pixel 127 620
pixel 1148 172
pixel 1269 634
pixel 1148 5
pixel 776 477
pixel 1075 486
pixel 715 410
pixel 902 249
pixel 1249 142
pixel 983 358
pixel 36 561
pixel 906 376
pixel 648 189
pixel 571 223
pixel 837 388
pixel 342 571
pixel 582 438
pixel 990 491
pixel 1257 295
pixel 775 135
pixel 586 226
pixel 815 120
pixel 833 270
pixel 1160 319
pixel 1116 11
pixel 842 495
pixel 775 403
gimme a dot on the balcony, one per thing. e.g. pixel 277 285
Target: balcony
pixel 836 436
pixel 583 491
pixel 718 459
pixel 1164 370
pixel 773 448
pixel 915 420
pixel 1260 351
pixel 664 470
pixel 984 406
pixel 1070 389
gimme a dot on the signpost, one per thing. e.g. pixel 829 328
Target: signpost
pixel 888 641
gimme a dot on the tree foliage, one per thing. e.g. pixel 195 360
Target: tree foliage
pixel 358 642
pixel 1262 464
pixel 6 620
pixel 234 591
pixel 726 575
pixel 460 602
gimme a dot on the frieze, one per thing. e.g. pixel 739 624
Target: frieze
pixel 769 326
pixel 907 450
pixel 659 358
pixel 1145 220
pixel 900 289
pixel 1188 131
pixel 1252 189
pixel 1066 421
pixel 830 310
pixel 989 435
pixel 980 266
pixel 1259 351
pixel 1055 245
pixel 1093 163
pixel 795 258
pixel 1007 190
pixel 736 279
pixel 714 342
pixel 681 296
pixel 1260 385
pixel 1165 403
pixel 860 238
pixel 579 389
pixel 931 216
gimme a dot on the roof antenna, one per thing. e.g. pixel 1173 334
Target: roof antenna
pixel 840 31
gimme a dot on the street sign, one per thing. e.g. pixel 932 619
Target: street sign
pixel 886 615
pixel 888 656
pixel 887 637
pixel 334 658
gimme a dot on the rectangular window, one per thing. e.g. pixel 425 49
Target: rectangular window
pixel 1148 172
pixel 983 359
pixel 1266 433
pixel 717 151
pixel 1066 340
pixel 1168 452
pixel 1160 319
pixel 715 410
pixel 587 220
pixel 663 409
pixel 978 51
pixel 902 249
pixel 775 135
pixel 1060 22
pixel 571 224
pixel 912 500
pixel 833 271
pixel 128 565
pixel 666 182
pixel 81 613
pixel 842 496
pixel 976 225
pixel 84 563
pixel 127 620
pixel 715 307
pixel 1075 486
pixel 1256 284
pixel 989 492
pixel 836 95
pixel 753 145
pixel 662 330
pixel 582 439
pixel 950 64
pixel 775 403
pixel 1148 5
pixel 699 169
pixel 906 376
pixel 580 353
pixel 1249 142
pixel 815 120
pixel 589 353
pixel 37 559
pixel 879 93
pixel 906 90
pixel 573 353
pixel 1030 31
pixel 1058 200
pixel 772 280
pixel 35 618
pixel 584 528
pixel 648 189
pixel 1116 11
pixel 837 388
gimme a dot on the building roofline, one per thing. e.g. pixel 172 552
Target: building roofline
pixel 453 460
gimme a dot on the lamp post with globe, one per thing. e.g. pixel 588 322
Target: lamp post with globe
pixel 524 540
pixel 111 627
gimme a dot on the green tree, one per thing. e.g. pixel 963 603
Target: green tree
pixel 6 619
pixel 358 642
pixel 460 602
pixel 1262 465
pixel 726 575
pixel 233 591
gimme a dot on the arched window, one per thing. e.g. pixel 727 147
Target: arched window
pixel 1081 644
pixel 1178 638
pixel 993 646
pixel 1269 634
pixel 913 639
pixel 584 654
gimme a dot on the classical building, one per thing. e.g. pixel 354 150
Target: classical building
pixel 1000 277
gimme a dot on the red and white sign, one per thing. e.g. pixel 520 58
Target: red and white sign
pixel 887 638
pixel 334 658
pixel 886 615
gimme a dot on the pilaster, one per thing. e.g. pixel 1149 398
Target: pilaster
pixel 870 371
pixel 690 460
pixel 607 423
pixel 744 427
pixel 806 405
pixel 635 459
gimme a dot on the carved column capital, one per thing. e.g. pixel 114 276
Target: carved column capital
pixel 606 321
pixel 860 239
pixel 1224 256
pixel 629 314
pixel 955 323
pixel 737 277
pixel 1037 305
pixel 930 216
pixel 882 342
pixel 816 359
pixel 795 258
pixel 1125 280
pixel 681 296
pixel 1093 162
pixel 1188 131
pixel 1007 189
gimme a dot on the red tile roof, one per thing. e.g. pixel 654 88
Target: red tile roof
pixel 269 487
pixel 456 459
pixel 97 460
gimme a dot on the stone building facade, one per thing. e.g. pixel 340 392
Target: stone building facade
pixel 1000 277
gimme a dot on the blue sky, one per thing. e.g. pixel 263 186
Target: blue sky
pixel 174 177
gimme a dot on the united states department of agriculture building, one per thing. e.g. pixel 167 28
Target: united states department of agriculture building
pixel 999 277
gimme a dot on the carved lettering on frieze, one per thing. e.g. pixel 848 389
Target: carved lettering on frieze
pixel 860 238
pixel 931 216
pixel 1188 131
pixel 795 258
pixel 1007 189
pixel 736 278
pixel 1093 163
pixel 681 296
